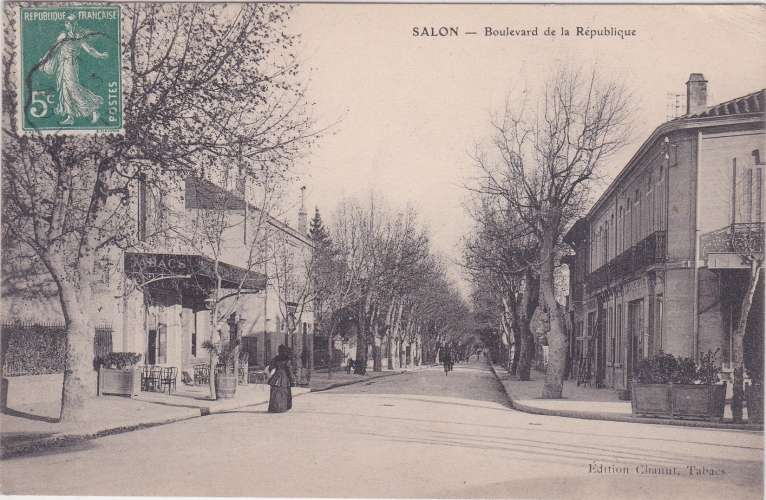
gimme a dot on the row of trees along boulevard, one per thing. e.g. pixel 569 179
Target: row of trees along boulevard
pixel 534 175
pixel 376 274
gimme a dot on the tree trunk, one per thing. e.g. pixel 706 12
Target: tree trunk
pixel 527 350
pixel 80 378
pixel 527 306
pixel 557 341
pixel 516 350
pixel 330 350
pixel 360 364
pixel 739 335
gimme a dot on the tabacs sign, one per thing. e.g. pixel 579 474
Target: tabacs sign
pixel 70 70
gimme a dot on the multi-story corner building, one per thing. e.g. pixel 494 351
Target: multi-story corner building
pixel 157 298
pixel 656 264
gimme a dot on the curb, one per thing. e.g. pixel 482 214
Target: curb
pixel 585 415
pixel 352 382
pixel 62 440
pixel 69 439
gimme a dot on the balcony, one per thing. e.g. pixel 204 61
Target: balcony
pixel 649 251
pixel 740 239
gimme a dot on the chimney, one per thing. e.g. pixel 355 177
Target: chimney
pixel 696 94
pixel 303 220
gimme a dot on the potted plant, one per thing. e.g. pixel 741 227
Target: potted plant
pixel 225 377
pixel 695 391
pixel 118 374
pixel 678 387
pixel 650 393
pixel 754 396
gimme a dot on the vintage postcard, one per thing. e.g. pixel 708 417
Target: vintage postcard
pixel 382 250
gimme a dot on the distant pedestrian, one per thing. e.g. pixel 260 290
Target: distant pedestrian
pixel 349 365
pixel 281 381
pixel 447 362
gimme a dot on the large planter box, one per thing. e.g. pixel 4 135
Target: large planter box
pixel 652 400
pixel 125 382
pixel 699 401
pixel 675 400
pixel 754 398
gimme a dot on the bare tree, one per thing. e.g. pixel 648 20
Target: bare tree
pixel 203 85
pixel 500 255
pixel 542 159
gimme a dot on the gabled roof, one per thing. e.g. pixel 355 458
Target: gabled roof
pixel 751 103
pixel 205 195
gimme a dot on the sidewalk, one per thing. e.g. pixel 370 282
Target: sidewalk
pixel 30 422
pixel 590 403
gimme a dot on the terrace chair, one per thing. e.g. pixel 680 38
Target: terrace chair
pixel 168 378
pixel 154 381
pixel 145 371
pixel 201 374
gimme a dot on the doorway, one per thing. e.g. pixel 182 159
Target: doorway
pixel 151 348
pixel 635 336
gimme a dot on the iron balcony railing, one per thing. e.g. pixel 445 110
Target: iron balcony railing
pixel 740 238
pixel 649 251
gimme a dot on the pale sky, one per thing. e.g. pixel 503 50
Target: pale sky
pixel 411 108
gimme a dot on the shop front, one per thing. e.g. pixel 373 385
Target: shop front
pixel 175 306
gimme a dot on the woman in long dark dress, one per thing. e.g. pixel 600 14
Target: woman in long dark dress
pixel 281 381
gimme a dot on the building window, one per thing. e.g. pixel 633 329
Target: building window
pixel 747 191
pixel 620 230
pixel 610 329
pixel 628 242
pixel 619 333
pixel 637 216
pixel 658 325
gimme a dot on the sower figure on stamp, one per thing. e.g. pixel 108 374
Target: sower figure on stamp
pixel 74 100
pixel 281 380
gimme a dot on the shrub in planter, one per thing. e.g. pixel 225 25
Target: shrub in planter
pixel 701 397
pixel 119 360
pixel 651 395
pixel 656 370
pixel 685 371
pixel 118 374
pixel 225 379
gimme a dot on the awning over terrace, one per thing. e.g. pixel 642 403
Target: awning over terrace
pixel 193 270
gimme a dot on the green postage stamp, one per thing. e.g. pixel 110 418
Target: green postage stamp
pixel 70 70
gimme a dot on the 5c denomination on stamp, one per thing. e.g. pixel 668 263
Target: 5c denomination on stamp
pixel 70 70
